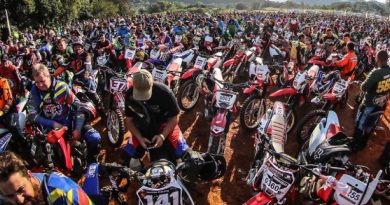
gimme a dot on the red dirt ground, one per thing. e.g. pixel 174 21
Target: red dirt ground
pixel 231 188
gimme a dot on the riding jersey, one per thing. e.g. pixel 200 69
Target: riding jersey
pixel 54 105
pixel 325 38
pixel 347 64
pixel 179 30
pixel 61 190
pixel 6 98
pixel 29 61
pixel 376 87
pixel 11 74
pixel 79 63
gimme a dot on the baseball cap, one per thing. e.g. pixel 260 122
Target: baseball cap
pixel 142 85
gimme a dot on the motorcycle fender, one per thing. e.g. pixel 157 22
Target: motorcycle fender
pixel 229 62
pixel 189 73
pixel 284 91
pixel 119 100
pixel 325 192
pixel 65 148
pixel 219 121
pixel 250 89
pixel 259 199
pixel 91 184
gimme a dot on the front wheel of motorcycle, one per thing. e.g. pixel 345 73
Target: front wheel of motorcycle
pixel 188 95
pixel 115 127
pixel 251 112
pixel 306 126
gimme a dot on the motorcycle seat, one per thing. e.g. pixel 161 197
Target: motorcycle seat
pixel 326 151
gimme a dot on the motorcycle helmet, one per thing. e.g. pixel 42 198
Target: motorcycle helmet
pixel 89 110
pixel 160 174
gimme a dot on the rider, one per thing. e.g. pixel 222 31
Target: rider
pixel 6 99
pixel 348 62
pixel 19 186
pixel 29 59
pixel 10 72
pixel 53 105
pixel 152 118
pixel 376 91
pixel 298 51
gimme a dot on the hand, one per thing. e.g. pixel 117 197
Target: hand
pixel 76 134
pixel 57 125
pixel 144 142
pixel 158 140
pixel 1 113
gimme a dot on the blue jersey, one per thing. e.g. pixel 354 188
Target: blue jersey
pixel 62 190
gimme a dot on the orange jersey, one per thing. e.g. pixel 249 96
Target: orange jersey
pixel 347 64
pixel 5 95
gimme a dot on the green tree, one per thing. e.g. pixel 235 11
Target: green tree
pixel 241 6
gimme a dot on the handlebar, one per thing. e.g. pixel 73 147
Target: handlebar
pixel 123 170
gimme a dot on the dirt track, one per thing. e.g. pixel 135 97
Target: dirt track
pixel 232 189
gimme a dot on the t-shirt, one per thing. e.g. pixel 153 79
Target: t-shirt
pixel 377 87
pixel 62 190
pixel 149 115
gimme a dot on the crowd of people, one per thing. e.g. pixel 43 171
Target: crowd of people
pixel 55 59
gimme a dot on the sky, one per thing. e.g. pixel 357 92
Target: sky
pixel 383 1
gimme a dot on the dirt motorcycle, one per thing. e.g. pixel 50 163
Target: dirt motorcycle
pixel 270 174
pixel 233 66
pixel 329 100
pixel 220 102
pixel 327 144
pixel 161 183
pixel 347 188
pixel 297 94
pixel 254 105
pixel 171 74
pixel 115 84
pixel 366 59
pixel 189 90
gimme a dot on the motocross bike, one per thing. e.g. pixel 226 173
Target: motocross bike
pixel 234 65
pixel 189 90
pixel 171 74
pixel 254 105
pixel 161 183
pixel 337 96
pixel 297 94
pixel 53 150
pixel 347 188
pixel 270 174
pixel 219 102
pixel 116 83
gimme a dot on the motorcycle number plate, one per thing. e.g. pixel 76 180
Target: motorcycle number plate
pixel 208 39
pixel 117 85
pixel 87 46
pixel 33 149
pixel 276 182
pixel 129 54
pixel 199 62
pixel 170 194
pixel 350 192
pixel 225 100
pixel 159 75
pixel 154 54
